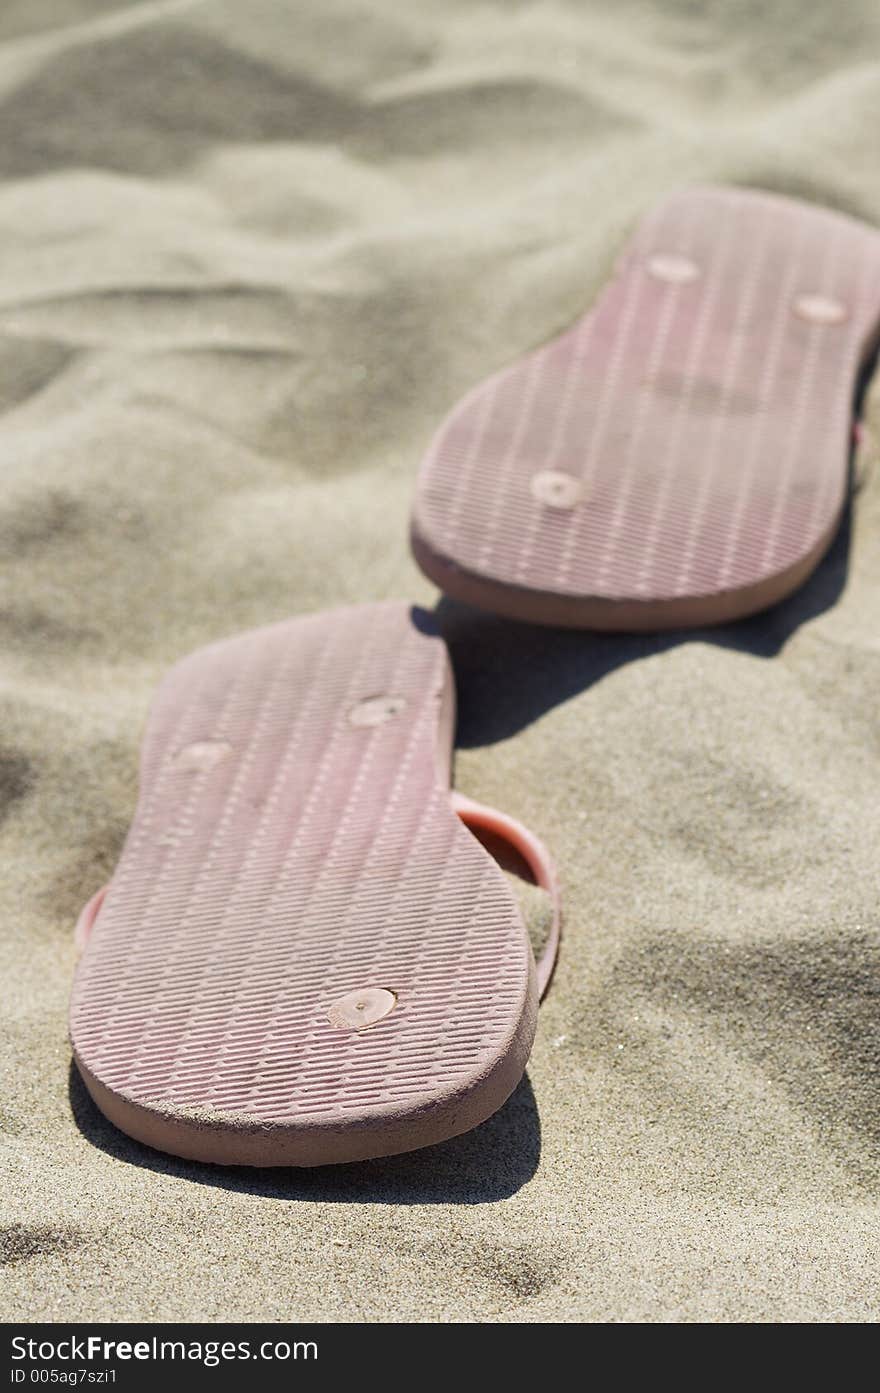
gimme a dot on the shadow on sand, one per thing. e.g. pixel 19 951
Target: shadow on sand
pixel 509 674
pixel 490 1163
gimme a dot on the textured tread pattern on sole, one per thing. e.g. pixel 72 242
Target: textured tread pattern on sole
pixel 703 407
pixel 285 853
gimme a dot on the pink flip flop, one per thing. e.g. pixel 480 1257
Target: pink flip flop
pixel 305 956
pixel 680 456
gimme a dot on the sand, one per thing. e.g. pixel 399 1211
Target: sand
pixel 250 254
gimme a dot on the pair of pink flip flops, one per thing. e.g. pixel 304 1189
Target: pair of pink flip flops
pixel 306 954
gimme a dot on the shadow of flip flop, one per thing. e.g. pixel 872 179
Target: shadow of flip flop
pixel 487 1164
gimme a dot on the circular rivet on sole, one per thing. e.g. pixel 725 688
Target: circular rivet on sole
pixel 357 1010
pixel 374 711
pixel 556 489
pixel 673 268
pixel 820 309
pixel 203 755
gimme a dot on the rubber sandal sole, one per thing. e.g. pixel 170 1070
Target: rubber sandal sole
pixel 680 456
pixel 304 956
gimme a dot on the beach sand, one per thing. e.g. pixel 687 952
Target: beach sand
pixel 250 255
